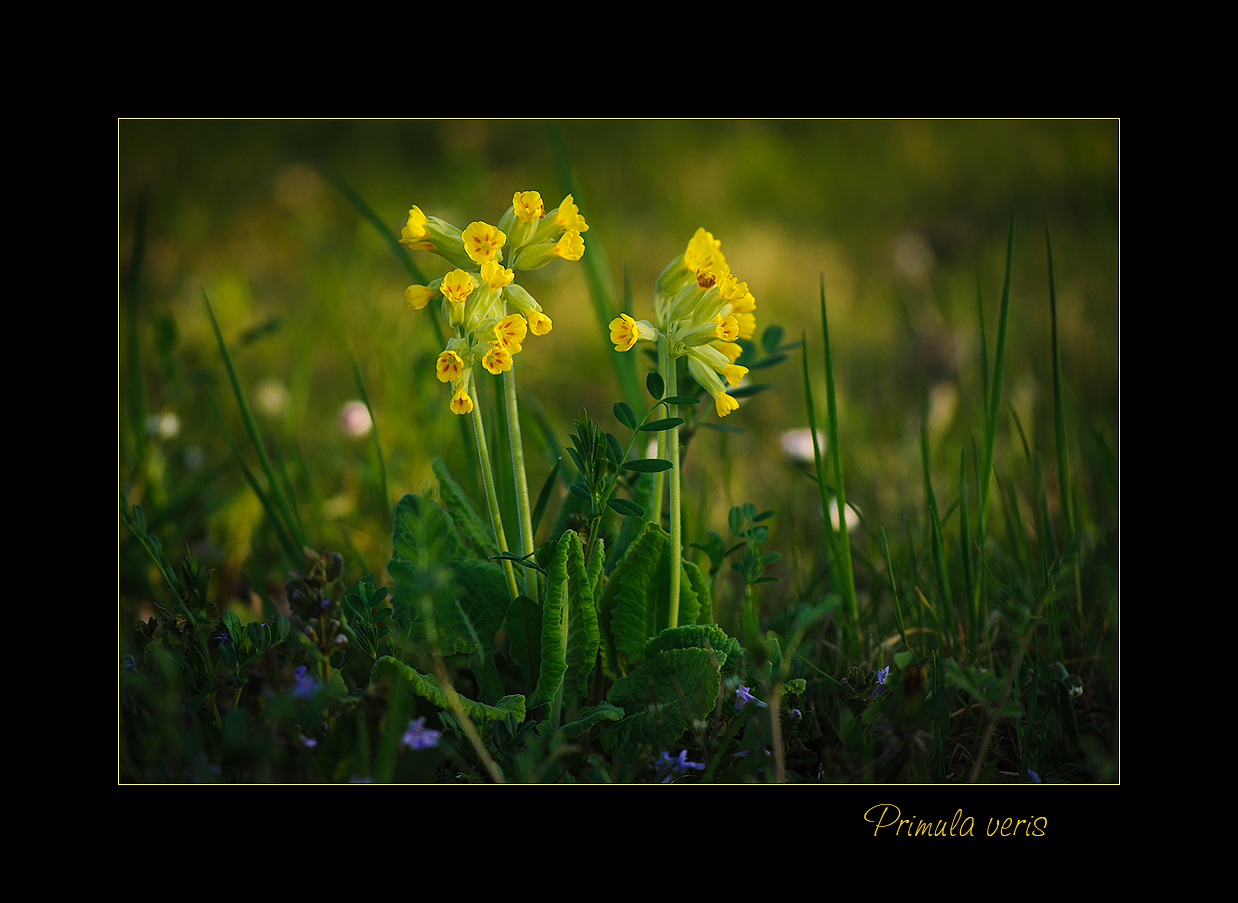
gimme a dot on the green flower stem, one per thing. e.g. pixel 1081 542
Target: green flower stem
pixel 487 477
pixel 659 480
pixel 521 481
pixel 672 387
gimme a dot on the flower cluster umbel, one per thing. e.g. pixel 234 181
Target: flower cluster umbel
pixel 700 308
pixel 490 313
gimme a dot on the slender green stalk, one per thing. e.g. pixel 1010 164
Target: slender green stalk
pixel 840 494
pixel 492 499
pixel 521 480
pixel 1059 429
pixel 659 479
pixel 672 387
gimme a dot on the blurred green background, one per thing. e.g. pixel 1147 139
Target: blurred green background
pixel 900 219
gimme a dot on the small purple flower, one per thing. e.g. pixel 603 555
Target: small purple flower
pixel 670 767
pixel 222 639
pixel 796 714
pixel 418 736
pixel 882 676
pixel 306 686
pixel 743 697
pixel 1035 777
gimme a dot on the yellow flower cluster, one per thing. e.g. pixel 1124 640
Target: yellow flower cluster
pixel 700 309
pixel 477 295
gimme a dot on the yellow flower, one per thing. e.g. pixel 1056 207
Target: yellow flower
pixel 734 373
pixel 539 323
pixel 625 332
pixel 570 247
pixel 461 403
pixel 495 275
pixel 482 242
pixel 511 332
pixel 728 329
pixel 449 367
pixel 457 286
pixel 414 234
pixel 418 296
pixel 704 253
pixel 747 325
pixel 725 404
pixel 569 216
pixel 497 359
pixel 528 206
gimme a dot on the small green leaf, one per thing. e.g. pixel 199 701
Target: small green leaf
pixel 626 508
pixel 745 391
pixel 771 339
pixel 682 399
pixel 723 428
pixel 614 450
pixel 648 465
pixel 767 362
pixel 655 385
pixel 580 465
pixel 623 413
pixel 664 424
pixel 581 491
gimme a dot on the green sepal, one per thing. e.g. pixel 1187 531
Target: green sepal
pixel 428 688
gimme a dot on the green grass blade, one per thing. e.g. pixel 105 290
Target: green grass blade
pixel 984 344
pixel 1059 429
pixel 969 576
pixel 291 550
pixel 898 608
pixel 936 543
pixel 273 486
pixel 137 392
pixel 818 459
pixel 378 448
pixel 600 291
pixel 995 396
pixel 844 539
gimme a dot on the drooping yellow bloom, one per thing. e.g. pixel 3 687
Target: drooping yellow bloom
pixel 457 286
pixel 414 234
pixel 497 359
pixel 510 333
pixel 569 216
pixel 449 367
pixel 495 275
pixel 418 296
pixel 570 247
pixel 539 323
pixel 461 403
pixel 482 242
pixel 725 404
pixel 734 373
pixel 728 329
pixel 626 332
pixel 528 206
pixel 704 253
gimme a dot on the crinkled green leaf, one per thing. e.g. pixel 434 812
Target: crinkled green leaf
pixel 662 698
pixel 591 717
pixel 478 533
pixel 569 624
pixel 429 688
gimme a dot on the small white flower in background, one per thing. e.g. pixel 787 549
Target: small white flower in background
pixel 797 444
pixel 355 419
pixel 271 397
pixel 165 426
pixel 852 520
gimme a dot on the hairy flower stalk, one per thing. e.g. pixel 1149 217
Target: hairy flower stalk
pixel 700 310
pixel 492 317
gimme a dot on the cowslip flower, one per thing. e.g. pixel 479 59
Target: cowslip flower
pixel 418 736
pixel 700 310
pixel 483 242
